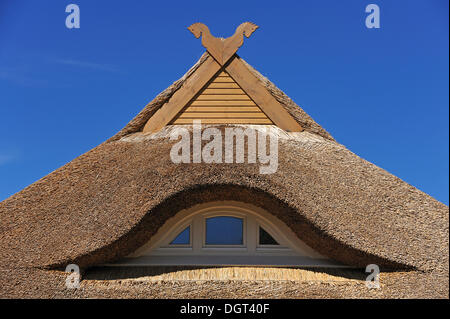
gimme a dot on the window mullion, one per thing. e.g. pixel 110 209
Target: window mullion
pixel 251 235
pixel 197 234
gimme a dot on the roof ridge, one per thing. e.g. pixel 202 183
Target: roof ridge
pixel 139 121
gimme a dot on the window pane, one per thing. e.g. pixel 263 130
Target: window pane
pixel 265 238
pixel 224 230
pixel 183 238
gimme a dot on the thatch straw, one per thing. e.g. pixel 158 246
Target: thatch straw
pixel 108 202
pixel 182 273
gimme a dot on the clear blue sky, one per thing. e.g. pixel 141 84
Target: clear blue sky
pixel 381 92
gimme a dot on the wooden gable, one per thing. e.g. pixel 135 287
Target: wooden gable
pixel 222 101
pixel 222 90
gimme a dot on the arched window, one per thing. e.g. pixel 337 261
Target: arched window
pixel 225 233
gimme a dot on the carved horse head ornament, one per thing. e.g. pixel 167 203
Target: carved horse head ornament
pixel 222 49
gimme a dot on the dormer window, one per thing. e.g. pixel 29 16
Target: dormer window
pixel 225 233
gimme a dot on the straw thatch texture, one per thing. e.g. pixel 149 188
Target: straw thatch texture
pixel 109 201
pixel 33 283
pixel 235 273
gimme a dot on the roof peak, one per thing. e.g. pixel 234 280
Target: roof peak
pixel 222 49
pixel 140 120
pixel 250 89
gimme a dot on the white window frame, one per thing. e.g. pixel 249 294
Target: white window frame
pixel 291 251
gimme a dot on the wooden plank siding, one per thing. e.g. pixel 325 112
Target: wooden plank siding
pixel 180 98
pixel 222 101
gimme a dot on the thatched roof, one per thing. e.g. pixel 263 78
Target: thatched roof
pixel 109 201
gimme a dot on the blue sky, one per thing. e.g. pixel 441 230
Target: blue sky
pixel 381 92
